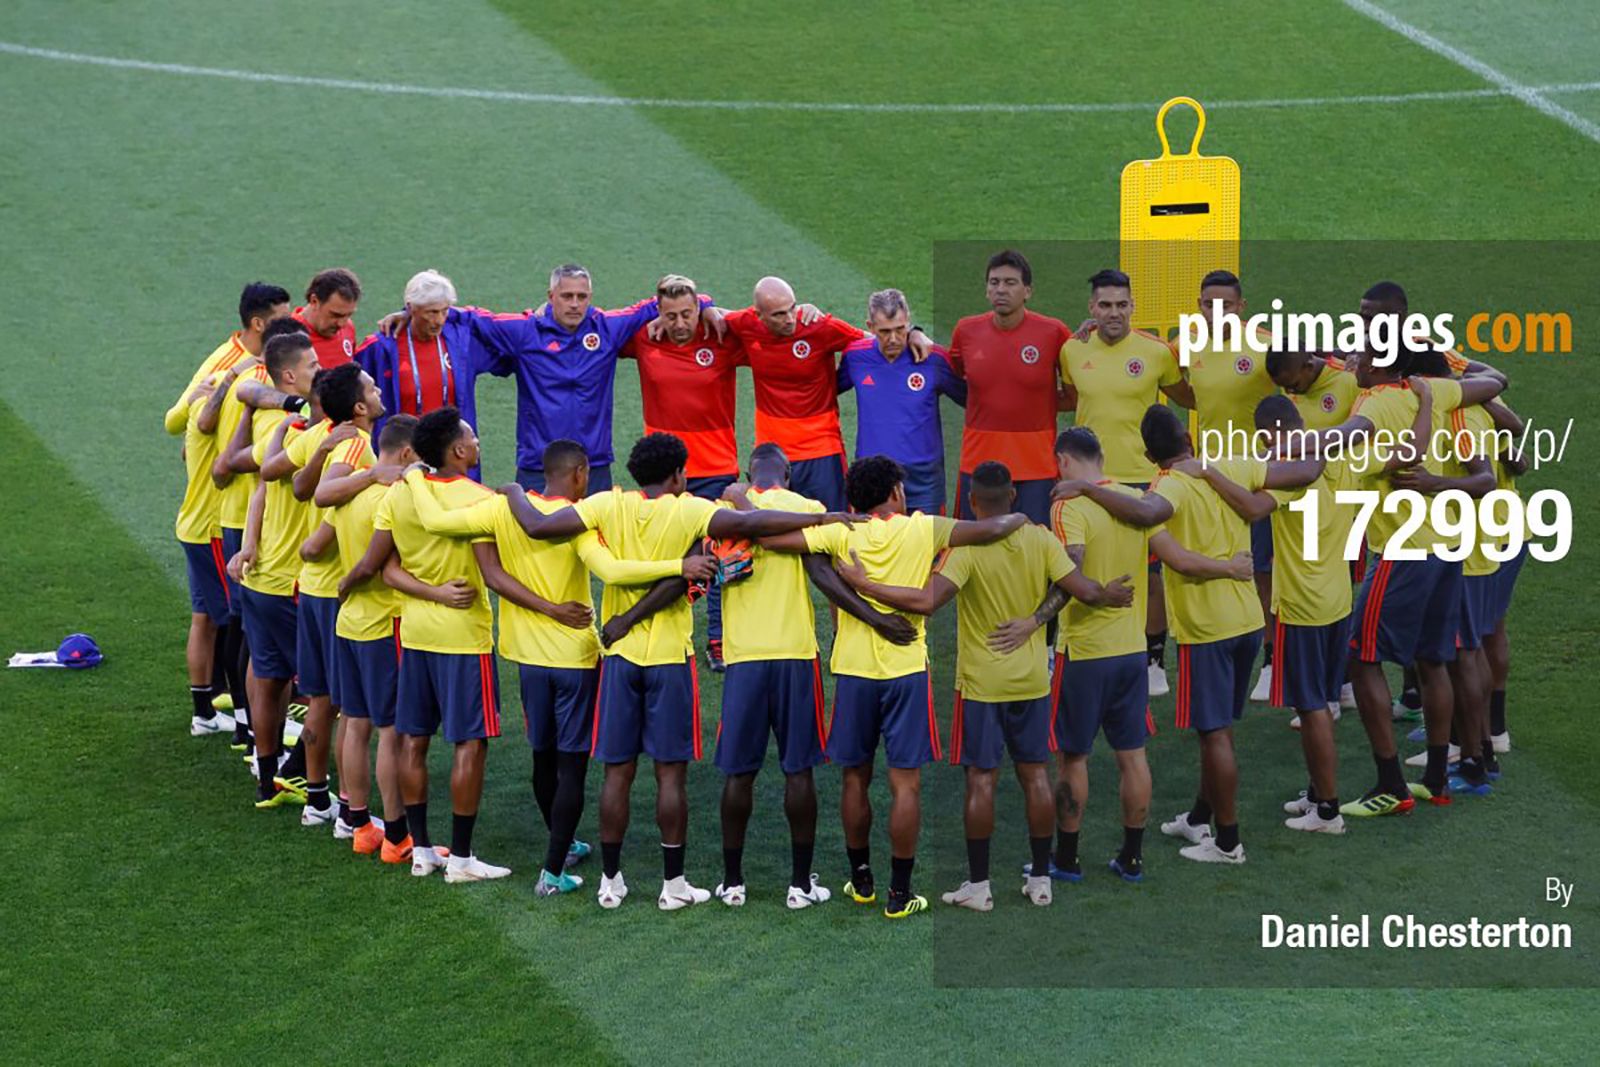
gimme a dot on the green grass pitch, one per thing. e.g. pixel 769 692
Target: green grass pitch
pixel 152 915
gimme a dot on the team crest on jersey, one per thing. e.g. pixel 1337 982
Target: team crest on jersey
pixel 1329 402
pixel 591 342
pixel 705 357
pixel 1135 367
pixel 1244 365
pixel 1030 354
pixel 349 349
pixel 916 382
pixel 801 349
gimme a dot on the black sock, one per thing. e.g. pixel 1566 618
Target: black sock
pixel 461 834
pixel 1327 809
pixel 1472 770
pixel 1156 648
pixel 345 810
pixel 355 818
pixel 1132 846
pixel 900 875
pixel 800 853
pixel 978 859
pixel 1391 779
pixel 1066 849
pixel 417 821
pixel 395 830
pixel 1040 848
pixel 860 860
pixel 1266 653
pixel 566 809
pixel 201 694
pixel 1200 814
pixel 733 866
pixel 1433 776
pixel 1487 755
pixel 317 796
pixel 671 862
pixel 1497 711
pixel 1228 836
pixel 267 768
pixel 611 858
pixel 294 764
pixel 545 778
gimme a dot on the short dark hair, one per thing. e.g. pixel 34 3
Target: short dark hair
pixel 1110 278
pixel 1283 359
pixel 287 326
pixel 657 457
pixel 397 432
pixel 339 390
pixel 1222 277
pixel 1387 292
pixel 1428 362
pixel 564 454
pixel 283 350
pixel 870 482
pixel 1081 442
pixel 991 481
pixel 259 298
pixel 1163 433
pixel 768 457
pixel 1278 410
pixel 340 280
pixel 1010 257
pixel 435 433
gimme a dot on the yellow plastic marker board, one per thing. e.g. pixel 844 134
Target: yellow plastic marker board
pixel 1180 220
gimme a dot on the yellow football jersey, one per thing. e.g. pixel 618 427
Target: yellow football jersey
pixel 235 505
pixel 436 559
pixel 1116 384
pixel 200 513
pixel 1111 548
pixel 1391 408
pixel 999 582
pixel 221 358
pixel 769 615
pixel 1198 611
pixel 1470 431
pixel 285 521
pixel 368 613
pixel 1313 592
pixel 1327 403
pixel 897 550
pixel 1227 387
pixel 320 577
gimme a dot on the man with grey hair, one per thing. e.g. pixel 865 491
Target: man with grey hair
pixel 897 400
pixel 429 362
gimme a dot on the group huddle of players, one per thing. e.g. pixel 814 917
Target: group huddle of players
pixel 341 552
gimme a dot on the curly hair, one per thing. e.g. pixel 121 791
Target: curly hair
pixel 871 480
pixel 657 457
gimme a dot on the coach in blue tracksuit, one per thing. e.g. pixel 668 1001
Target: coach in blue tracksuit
pixel 897 400
pixel 565 359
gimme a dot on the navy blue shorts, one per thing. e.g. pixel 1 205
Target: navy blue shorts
pixel 821 479
pixel 366 676
pixel 782 697
pixel 1109 693
pixel 1477 607
pixel 1309 664
pixel 1214 680
pixel 1033 498
pixel 654 710
pixel 558 706
pixel 1407 610
pixel 1261 545
pixel 313 647
pixel 232 542
pixel 900 710
pixel 983 732
pixel 459 690
pixel 1505 581
pixel 208 579
pixel 925 487
pixel 599 479
pixel 270 623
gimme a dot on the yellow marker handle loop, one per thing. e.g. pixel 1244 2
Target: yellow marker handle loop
pixel 1161 129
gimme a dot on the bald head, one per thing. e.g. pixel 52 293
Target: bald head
pixel 774 302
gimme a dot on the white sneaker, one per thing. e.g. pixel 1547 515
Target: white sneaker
pixel 804 898
pixel 678 893
pixel 1263 690
pixel 1038 890
pixel 343 831
pixel 471 869
pixel 310 816
pixel 218 723
pixel 1316 824
pixel 1179 827
pixel 974 895
pixel 1208 852
pixel 1300 804
pixel 1294 722
pixel 1158 680
pixel 1421 758
pixel 731 895
pixel 1347 696
pixel 613 891
pixel 1501 742
pixel 424 861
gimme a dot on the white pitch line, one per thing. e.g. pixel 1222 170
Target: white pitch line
pixel 1531 95
pixel 566 99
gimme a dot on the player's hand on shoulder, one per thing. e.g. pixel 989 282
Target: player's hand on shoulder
pixel 1084 330
pixel 456 593
pixel 713 319
pixel 808 313
pixel 1241 567
pixel 920 346
pixel 341 433
pixel 388 473
pixel 845 518
pixel 1067 488
pixel 1191 466
pixel 737 494
pixel 392 323
pixel 511 489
